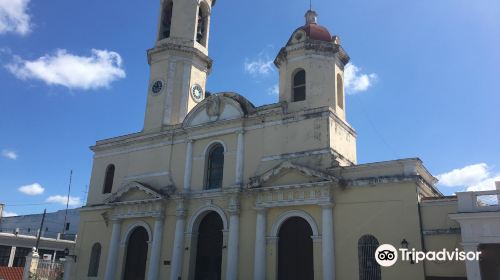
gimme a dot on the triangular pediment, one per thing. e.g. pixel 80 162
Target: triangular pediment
pixel 288 173
pixel 134 192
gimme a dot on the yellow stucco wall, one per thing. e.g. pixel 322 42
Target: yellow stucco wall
pixel 435 217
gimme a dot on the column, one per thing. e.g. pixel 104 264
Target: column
pixel 328 242
pixel 113 250
pixel 472 267
pixel 178 250
pixel 31 264
pixel 155 258
pixel 189 165
pixel 12 255
pixel 68 268
pixel 240 158
pixel 232 254
pixel 259 272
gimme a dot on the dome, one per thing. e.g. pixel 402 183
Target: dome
pixel 315 31
pixel 311 30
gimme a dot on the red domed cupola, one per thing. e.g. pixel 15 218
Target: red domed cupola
pixel 313 30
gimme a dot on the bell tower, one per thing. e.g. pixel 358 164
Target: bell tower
pixel 311 69
pixel 179 62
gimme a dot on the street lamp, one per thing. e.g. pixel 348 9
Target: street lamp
pixel 404 245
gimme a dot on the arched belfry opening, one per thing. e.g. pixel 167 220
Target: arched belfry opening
pixel 295 250
pixel 108 179
pixel 166 20
pixel 299 85
pixel 209 247
pixel 202 23
pixel 136 254
pixel 340 91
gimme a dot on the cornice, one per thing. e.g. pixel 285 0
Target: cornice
pixel 168 46
pixel 320 47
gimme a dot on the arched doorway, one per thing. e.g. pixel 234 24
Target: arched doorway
pixel 209 248
pixel 295 250
pixel 137 254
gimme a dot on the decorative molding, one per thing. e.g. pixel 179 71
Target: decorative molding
pixel 200 213
pixel 283 167
pixel 441 231
pixel 143 210
pixel 178 46
pixel 313 194
pixel 290 214
pixel 115 197
pixel 132 227
pixel 145 175
pixel 317 238
pixel 289 156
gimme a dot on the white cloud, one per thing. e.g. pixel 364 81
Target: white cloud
pixel 33 189
pixel 274 90
pixel 475 177
pixel 486 184
pixel 259 67
pixel 9 154
pixel 466 176
pixel 262 64
pixel 14 17
pixel 98 70
pixel 355 81
pixel 73 201
pixel 9 214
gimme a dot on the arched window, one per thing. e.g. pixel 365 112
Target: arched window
pixel 108 180
pixel 202 24
pixel 340 92
pixel 215 167
pixel 95 257
pixel 369 269
pixel 299 86
pixel 166 20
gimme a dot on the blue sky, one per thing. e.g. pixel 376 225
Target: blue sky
pixel 424 82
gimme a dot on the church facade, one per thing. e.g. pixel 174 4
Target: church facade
pixel 216 188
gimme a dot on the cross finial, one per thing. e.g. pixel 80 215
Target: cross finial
pixel 311 17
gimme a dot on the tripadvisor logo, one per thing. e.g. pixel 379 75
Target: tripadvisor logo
pixel 387 255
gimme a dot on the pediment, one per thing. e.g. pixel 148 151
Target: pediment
pixel 287 173
pixel 218 107
pixel 134 192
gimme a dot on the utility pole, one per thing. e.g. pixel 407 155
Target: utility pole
pixel 67 202
pixel 40 230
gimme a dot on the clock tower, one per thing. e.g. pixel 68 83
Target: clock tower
pixel 179 62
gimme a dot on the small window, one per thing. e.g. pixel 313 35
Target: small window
pixel 95 257
pixel 299 86
pixel 340 92
pixel 369 269
pixel 215 167
pixel 166 20
pixel 108 180
pixel 67 226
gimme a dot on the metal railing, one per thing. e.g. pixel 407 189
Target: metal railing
pixel 49 270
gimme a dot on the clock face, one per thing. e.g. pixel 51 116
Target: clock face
pixel 156 87
pixel 197 92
